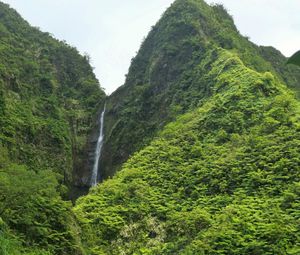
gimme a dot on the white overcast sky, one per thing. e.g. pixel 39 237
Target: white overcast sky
pixel 111 31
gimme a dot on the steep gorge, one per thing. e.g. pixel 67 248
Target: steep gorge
pixel 201 143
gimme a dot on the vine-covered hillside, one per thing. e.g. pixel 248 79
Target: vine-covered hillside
pixel 221 179
pixel 48 100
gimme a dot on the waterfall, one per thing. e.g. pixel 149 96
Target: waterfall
pixel 98 150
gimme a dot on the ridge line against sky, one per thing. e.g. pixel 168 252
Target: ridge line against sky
pixel 111 32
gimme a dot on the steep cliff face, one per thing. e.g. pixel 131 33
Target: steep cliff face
pixel 49 97
pixel 83 170
pixel 164 79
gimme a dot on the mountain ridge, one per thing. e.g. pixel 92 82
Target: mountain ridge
pixel 161 83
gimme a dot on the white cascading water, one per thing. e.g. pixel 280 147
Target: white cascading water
pixel 98 150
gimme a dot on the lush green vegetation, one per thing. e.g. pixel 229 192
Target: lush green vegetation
pixel 33 214
pixel 212 119
pixel 164 79
pixel 48 98
pixel 222 179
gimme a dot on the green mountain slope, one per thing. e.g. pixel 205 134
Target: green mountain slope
pixel 164 79
pixel 48 102
pixel 221 179
pixel 49 96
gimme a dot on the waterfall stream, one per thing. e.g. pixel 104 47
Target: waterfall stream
pixel 98 150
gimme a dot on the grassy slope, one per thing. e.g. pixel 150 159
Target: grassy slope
pixel 222 179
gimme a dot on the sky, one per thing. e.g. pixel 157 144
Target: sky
pixel 111 31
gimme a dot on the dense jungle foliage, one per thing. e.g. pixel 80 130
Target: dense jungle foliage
pixel 221 179
pixel 48 98
pixel 209 121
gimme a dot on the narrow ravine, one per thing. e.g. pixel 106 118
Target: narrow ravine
pixel 94 178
